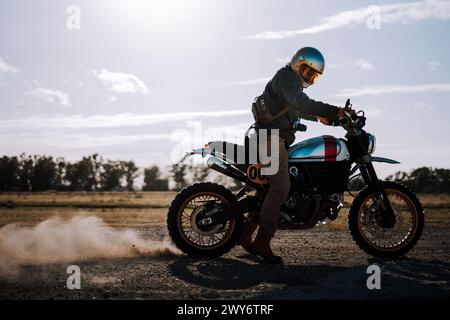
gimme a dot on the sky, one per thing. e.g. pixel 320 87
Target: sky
pixel 146 80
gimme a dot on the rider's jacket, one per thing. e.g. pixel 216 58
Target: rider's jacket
pixel 285 89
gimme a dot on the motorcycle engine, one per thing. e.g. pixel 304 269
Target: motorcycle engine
pixel 297 208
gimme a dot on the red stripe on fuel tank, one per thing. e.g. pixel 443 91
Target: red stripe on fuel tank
pixel 330 148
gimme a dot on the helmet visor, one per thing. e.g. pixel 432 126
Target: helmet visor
pixel 308 74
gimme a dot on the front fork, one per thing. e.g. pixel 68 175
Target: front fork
pixel 370 178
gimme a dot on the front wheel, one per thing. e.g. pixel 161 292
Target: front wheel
pixel 185 215
pixel 365 221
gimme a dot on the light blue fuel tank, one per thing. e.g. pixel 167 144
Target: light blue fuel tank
pixel 323 148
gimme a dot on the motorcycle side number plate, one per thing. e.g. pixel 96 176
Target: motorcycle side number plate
pixel 254 174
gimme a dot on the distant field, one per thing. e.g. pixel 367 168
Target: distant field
pixel 89 199
pixel 124 209
pixel 139 198
pixel 141 209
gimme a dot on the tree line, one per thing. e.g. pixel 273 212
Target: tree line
pixel 94 173
pixel 424 179
pixel 420 180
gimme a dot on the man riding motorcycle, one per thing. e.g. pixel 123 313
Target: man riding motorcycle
pixel 285 100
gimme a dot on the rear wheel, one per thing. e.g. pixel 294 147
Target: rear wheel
pixel 365 227
pixel 185 216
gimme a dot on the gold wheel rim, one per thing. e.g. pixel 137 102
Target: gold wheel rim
pixel 406 224
pixel 204 240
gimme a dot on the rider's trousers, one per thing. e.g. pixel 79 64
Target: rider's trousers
pixel 278 190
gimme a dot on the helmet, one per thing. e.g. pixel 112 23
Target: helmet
pixel 308 63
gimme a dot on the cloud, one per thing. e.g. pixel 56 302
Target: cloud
pixel 37 137
pixel 97 139
pixel 423 105
pixel 389 14
pixel 121 82
pixel 111 99
pixel 7 68
pixel 251 82
pixel 49 95
pixel 112 121
pixel 332 65
pixel 364 64
pixel 433 65
pixel 402 89
pixel 284 60
pixel 359 63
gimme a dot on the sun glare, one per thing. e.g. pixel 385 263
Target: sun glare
pixel 156 12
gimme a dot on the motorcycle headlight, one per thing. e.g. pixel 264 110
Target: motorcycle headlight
pixel 372 143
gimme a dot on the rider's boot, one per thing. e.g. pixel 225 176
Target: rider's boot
pixel 261 246
pixel 246 238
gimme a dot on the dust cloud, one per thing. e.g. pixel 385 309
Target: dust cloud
pixel 80 238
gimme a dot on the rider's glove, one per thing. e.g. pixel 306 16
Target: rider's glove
pixel 328 122
pixel 341 113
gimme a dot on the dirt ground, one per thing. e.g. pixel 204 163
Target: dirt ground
pixel 322 263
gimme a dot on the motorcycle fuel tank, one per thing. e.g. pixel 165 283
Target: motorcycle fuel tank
pixel 323 148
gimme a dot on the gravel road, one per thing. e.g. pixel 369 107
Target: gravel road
pixel 319 264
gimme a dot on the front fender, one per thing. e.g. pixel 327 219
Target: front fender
pixel 374 159
pixel 387 160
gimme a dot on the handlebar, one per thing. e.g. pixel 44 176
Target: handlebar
pixel 351 120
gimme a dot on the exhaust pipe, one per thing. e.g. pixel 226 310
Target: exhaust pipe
pixel 226 169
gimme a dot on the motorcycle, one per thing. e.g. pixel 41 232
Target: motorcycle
pixel 385 219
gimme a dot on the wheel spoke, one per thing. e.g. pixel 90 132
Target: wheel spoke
pixel 399 234
pixel 200 236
